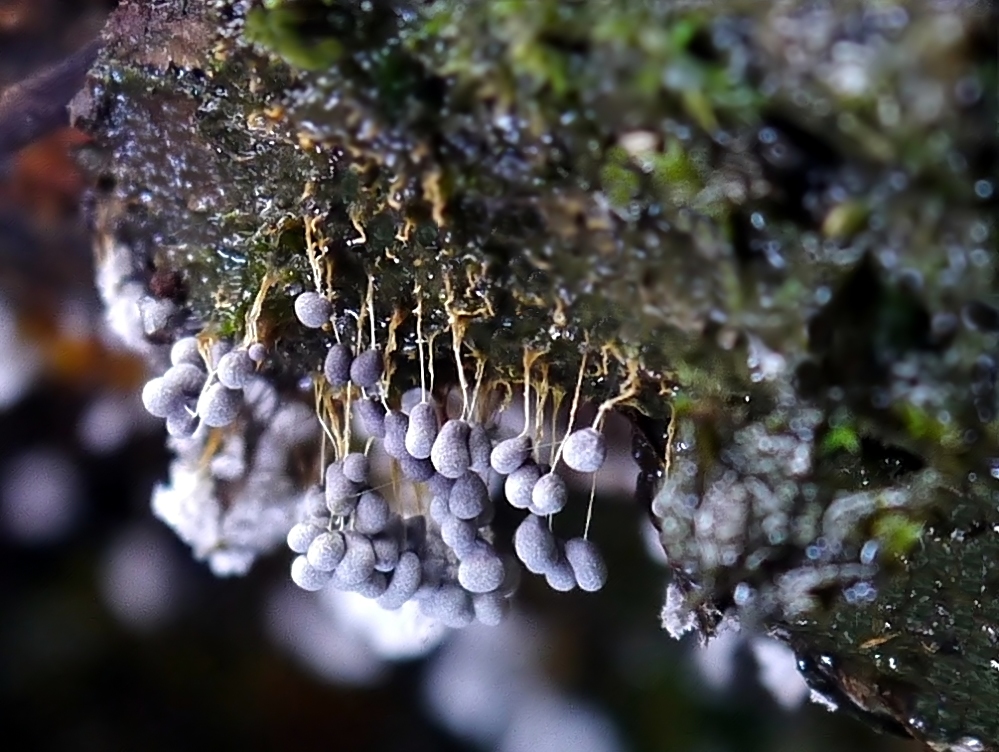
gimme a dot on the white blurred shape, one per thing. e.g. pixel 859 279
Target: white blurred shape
pixel 256 519
pixel 39 496
pixel 296 623
pixel 138 578
pixel 547 722
pixel 393 635
pixel 121 293
pixel 188 505
pixel 650 539
pixel 109 420
pixel 411 398
pixel 716 659
pixel 778 672
pixel 21 361
pixel 475 684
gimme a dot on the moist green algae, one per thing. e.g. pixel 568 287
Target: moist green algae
pixel 785 215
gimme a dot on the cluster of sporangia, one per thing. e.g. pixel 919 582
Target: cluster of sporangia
pixel 187 393
pixel 442 555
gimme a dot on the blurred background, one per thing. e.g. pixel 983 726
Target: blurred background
pixel 113 638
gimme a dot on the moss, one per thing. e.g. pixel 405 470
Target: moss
pixel 897 534
pixel 285 31
pixel 619 180
pixel 842 437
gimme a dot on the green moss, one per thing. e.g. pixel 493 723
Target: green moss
pixel 619 179
pixel 284 30
pixel 897 534
pixel 842 437
pixel 676 175
pixel 923 427
pixel 845 220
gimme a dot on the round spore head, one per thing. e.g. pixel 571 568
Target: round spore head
pixel 300 536
pixel 418 471
pixel 587 564
pixel 373 587
pixel 585 450
pixel 404 582
pixel 422 430
pixel 306 576
pixel 479 447
pixel 158 399
pixel 184 379
pixel 180 423
pixel 372 513
pixel 355 467
pixel 469 497
pixel 549 495
pixel 440 509
pixel 217 349
pixel 412 397
pixel 519 485
pixel 341 493
pixel 396 423
pixel 371 417
pixel 510 454
pixel 490 608
pixel 219 406
pixel 459 535
pixel 367 368
pixel 358 562
pixel 326 551
pixel 257 352
pixel 450 449
pixel 440 486
pixel 480 572
pixel 312 309
pixel 235 369
pixel 560 576
pixel 450 604
pixel 314 502
pixel 185 350
pixel 535 545
pixel 336 367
